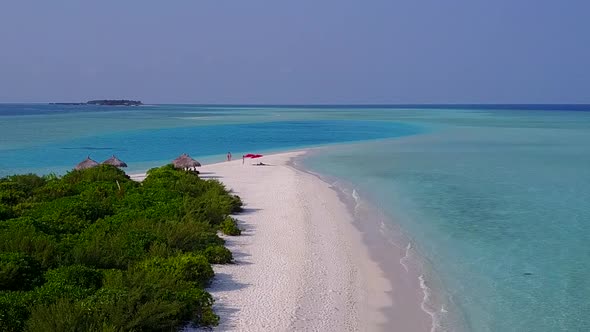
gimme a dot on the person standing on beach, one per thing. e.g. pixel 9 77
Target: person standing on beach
pixel 243 158
pixel 230 156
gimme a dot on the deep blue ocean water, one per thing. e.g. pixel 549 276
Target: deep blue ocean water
pixel 496 199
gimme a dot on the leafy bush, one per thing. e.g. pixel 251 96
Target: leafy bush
pixel 218 255
pixel 93 250
pixel 6 212
pixel 63 315
pixel 98 174
pixel 150 300
pixel 75 275
pixel 20 235
pixel 54 189
pixel 190 236
pixel 109 244
pixel 13 311
pixel 229 226
pixel 73 282
pixel 18 271
pixel 236 204
pixel 185 267
pixel 27 183
pixel 10 193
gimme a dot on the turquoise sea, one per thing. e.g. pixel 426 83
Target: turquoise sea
pixel 495 200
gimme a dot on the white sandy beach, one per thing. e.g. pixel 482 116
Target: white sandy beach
pixel 300 264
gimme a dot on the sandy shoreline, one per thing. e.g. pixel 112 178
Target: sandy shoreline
pixel 300 264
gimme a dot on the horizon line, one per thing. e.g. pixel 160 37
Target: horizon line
pixel 321 104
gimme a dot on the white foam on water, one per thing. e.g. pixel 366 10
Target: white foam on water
pixel 403 260
pixel 424 304
pixel 357 199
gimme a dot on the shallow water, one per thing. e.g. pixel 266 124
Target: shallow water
pixel 56 138
pixel 501 213
pixel 495 202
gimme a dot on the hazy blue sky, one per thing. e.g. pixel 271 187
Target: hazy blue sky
pixel 299 51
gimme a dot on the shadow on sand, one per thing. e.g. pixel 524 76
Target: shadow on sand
pixel 247 211
pixel 225 282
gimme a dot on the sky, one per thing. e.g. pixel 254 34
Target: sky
pixel 296 52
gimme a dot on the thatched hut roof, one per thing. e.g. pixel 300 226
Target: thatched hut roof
pixel 184 161
pixel 115 162
pixel 86 163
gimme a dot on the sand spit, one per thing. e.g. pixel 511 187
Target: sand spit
pixel 300 263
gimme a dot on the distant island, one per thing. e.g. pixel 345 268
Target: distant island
pixel 112 102
pixel 106 102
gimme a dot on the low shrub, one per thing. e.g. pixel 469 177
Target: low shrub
pixel 236 204
pixel 6 212
pixel 75 275
pixel 13 311
pixel 19 235
pixel 73 282
pixel 218 255
pixel 27 183
pixel 93 250
pixel 113 243
pixel 229 226
pixel 19 271
pixel 190 236
pixel 150 299
pixel 98 174
pixel 63 315
pixel 186 267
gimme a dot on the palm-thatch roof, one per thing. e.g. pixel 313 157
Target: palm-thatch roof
pixel 86 163
pixel 184 161
pixel 115 162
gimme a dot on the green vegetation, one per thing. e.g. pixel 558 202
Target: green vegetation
pixel 93 250
pixel 218 255
pixel 229 226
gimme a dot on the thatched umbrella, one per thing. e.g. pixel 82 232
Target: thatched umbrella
pixel 86 163
pixel 115 162
pixel 184 161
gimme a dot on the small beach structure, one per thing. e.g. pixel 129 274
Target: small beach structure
pixel 115 162
pixel 86 163
pixel 184 161
pixel 252 156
